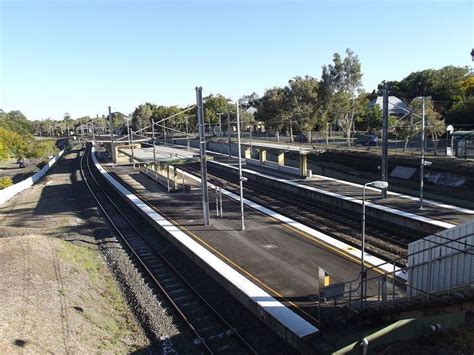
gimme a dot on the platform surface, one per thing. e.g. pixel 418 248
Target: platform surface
pixel 437 211
pixel 282 261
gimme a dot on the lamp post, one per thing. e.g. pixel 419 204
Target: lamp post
pixel 241 177
pixel 380 185
pixel 422 163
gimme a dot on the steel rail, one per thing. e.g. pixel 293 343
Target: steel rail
pixel 163 258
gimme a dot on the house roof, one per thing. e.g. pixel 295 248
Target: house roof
pixel 395 105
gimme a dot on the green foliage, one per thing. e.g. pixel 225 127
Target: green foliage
pixel 141 116
pixel 462 112
pixel 12 144
pixel 15 121
pixel 272 109
pixel 5 181
pixel 341 83
pixel 369 118
pixel 468 86
pixel 213 106
pixel 38 149
pixel 443 85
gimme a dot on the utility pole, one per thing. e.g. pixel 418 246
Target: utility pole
pixel 93 130
pixel 422 164
pixel 384 166
pixel 228 130
pixel 202 151
pixel 111 136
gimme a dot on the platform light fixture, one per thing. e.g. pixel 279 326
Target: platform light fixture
pixel 379 185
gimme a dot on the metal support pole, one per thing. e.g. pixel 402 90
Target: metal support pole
pixel 217 202
pixel 220 200
pixel 240 169
pixel 153 138
pixel 164 130
pixel 362 257
pixel 111 136
pixel 133 153
pixel 228 130
pixel 384 165
pixel 187 134
pixel 128 131
pixel 422 164
pixel 202 152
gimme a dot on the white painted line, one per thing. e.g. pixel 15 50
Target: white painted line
pixel 347 198
pixel 346 248
pixel 412 198
pixel 276 309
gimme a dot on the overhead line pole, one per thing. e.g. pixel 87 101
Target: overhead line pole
pixel 228 130
pixel 202 151
pixel 111 136
pixel 384 167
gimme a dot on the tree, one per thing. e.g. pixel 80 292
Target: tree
pixel 433 121
pixel 462 113
pixel 301 96
pixel 369 117
pixel 468 86
pixel 213 106
pixel 443 85
pixel 341 83
pixel 271 109
pixel 141 115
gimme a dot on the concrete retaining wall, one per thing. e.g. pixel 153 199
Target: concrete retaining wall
pixel 11 191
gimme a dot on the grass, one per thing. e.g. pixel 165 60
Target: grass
pixel 109 315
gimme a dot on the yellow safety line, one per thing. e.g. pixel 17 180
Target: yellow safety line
pixel 225 257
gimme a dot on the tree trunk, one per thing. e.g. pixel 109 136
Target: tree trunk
pixel 327 133
pixel 406 144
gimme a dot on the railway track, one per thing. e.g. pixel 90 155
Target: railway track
pixel 381 242
pixel 211 333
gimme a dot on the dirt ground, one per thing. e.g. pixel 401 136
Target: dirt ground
pixel 58 297
pixel 57 293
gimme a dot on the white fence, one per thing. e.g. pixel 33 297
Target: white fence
pixel 443 261
pixel 11 191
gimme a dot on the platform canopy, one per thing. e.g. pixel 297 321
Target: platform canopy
pixel 105 138
pixel 164 155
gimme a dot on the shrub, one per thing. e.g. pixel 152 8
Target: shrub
pixel 5 181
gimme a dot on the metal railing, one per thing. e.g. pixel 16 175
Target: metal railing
pixel 390 288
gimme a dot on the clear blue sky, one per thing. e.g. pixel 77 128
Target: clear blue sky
pixel 81 56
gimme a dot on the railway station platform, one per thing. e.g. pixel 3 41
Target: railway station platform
pixel 437 211
pixel 278 258
pixel 399 210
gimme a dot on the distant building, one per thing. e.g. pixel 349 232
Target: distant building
pixel 396 107
pixel 251 110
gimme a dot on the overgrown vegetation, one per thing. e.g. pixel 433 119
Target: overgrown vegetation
pixel 117 325
pixel 17 139
pixel 5 181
